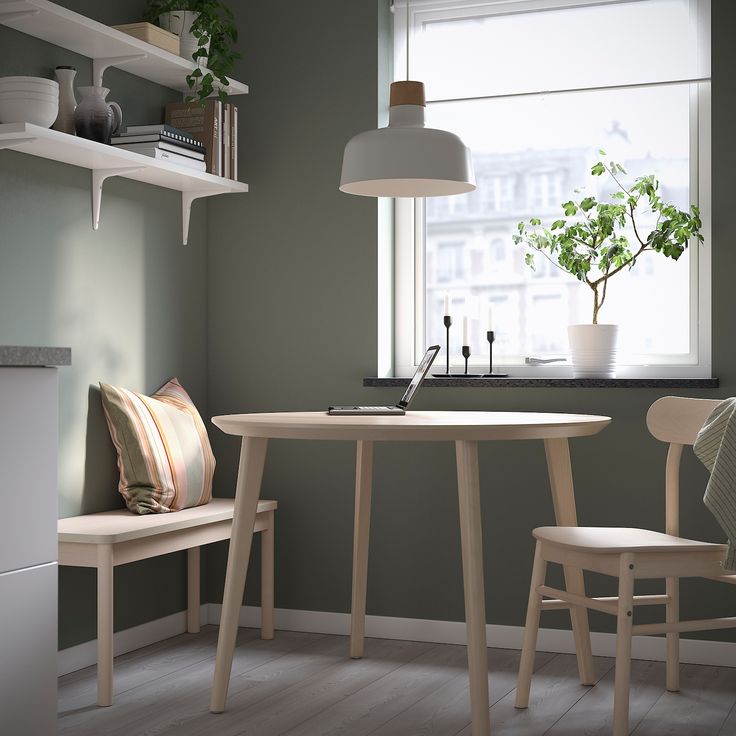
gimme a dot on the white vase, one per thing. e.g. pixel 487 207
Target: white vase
pixel 593 349
pixel 67 102
pixel 179 22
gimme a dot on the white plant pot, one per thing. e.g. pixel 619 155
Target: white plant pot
pixel 593 349
pixel 179 22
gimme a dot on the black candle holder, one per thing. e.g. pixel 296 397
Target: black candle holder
pixel 466 355
pixel 491 337
pixel 447 320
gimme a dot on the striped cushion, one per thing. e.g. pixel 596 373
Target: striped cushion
pixel 164 454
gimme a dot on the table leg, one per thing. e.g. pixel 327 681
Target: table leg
pixel 247 492
pixel 468 486
pixel 363 487
pixel 563 498
pixel 267 575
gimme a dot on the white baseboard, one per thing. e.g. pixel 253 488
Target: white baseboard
pixel 83 655
pixel 692 651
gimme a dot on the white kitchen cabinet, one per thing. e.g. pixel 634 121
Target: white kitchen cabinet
pixel 28 651
pixel 29 420
pixel 29 428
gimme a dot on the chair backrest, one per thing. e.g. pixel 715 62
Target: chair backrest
pixel 677 420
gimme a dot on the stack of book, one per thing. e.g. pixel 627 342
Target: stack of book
pixel 215 126
pixel 165 143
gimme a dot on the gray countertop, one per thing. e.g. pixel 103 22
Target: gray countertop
pixel 18 355
pixel 525 382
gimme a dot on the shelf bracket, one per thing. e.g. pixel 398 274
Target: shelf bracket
pixel 98 179
pixel 13 142
pixel 8 16
pixel 99 66
pixel 186 210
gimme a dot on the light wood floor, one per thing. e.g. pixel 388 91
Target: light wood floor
pixel 305 685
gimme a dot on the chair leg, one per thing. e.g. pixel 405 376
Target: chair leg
pixel 267 579
pixel 529 647
pixel 673 639
pixel 193 590
pixel 623 645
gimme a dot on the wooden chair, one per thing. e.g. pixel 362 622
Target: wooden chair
pixel 631 554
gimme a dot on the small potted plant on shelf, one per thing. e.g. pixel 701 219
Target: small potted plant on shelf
pixel 592 244
pixel 208 33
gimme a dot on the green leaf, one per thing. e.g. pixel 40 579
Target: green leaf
pixel 587 204
pixel 598 169
pixel 557 224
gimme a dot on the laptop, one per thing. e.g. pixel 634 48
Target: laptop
pixel 403 405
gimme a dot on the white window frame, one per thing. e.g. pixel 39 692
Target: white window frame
pixel 409 224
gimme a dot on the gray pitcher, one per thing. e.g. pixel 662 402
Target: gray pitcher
pixel 95 118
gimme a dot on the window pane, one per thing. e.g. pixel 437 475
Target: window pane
pixel 597 45
pixel 530 154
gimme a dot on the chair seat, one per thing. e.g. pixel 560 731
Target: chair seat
pixel 613 540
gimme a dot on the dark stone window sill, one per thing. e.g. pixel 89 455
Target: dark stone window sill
pixel 460 381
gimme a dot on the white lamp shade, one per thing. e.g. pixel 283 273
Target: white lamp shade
pixel 406 162
pixel 406 159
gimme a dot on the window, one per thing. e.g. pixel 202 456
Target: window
pixel 450 261
pixel 496 192
pixel 510 81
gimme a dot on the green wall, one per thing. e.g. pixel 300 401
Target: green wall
pixel 272 306
pixel 129 299
pixel 292 325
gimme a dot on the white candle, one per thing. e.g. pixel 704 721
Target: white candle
pixel 465 331
pixel 490 317
pixel 447 305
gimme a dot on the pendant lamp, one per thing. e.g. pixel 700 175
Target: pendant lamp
pixel 405 159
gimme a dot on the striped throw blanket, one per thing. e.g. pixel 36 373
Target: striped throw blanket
pixel 715 447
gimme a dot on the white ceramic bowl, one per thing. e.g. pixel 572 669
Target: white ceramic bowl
pixel 35 111
pixel 43 92
pixel 44 96
pixel 17 87
pixel 29 84
pixel 30 80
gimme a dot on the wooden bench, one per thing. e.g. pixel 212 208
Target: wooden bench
pixel 113 538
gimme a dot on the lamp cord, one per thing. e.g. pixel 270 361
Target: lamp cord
pixel 407 40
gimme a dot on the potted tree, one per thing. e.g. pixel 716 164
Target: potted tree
pixel 207 33
pixel 592 244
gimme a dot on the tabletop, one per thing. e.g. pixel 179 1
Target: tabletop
pixel 415 425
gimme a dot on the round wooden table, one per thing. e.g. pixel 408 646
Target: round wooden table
pixel 465 429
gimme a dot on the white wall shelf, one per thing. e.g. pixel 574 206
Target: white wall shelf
pixel 104 45
pixel 106 161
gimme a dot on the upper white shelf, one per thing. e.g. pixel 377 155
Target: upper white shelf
pixel 106 161
pixel 104 45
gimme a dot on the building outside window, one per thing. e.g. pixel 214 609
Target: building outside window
pixel 532 151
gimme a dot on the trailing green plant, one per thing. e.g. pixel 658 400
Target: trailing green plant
pixel 590 241
pixel 216 24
